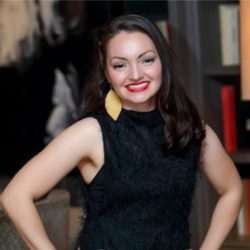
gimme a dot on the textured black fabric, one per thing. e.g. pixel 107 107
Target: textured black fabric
pixel 141 198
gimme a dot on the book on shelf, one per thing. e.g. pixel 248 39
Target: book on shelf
pixel 164 27
pixel 229 34
pixel 228 117
pixel 244 49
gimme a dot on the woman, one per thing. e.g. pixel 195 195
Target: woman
pixel 138 157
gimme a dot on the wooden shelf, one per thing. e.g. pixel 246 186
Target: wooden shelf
pixel 236 242
pixel 222 71
pixel 241 157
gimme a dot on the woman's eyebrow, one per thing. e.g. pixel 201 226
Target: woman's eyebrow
pixel 118 57
pixel 125 59
pixel 150 50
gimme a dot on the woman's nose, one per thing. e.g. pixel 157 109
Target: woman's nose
pixel 136 73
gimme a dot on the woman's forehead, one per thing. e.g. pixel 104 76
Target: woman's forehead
pixel 130 43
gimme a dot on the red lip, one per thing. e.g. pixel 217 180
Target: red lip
pixel 137 89
pixel 137 83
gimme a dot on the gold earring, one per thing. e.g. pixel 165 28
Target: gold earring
pixel 113 104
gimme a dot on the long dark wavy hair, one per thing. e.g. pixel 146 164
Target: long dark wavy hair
pixel 182 120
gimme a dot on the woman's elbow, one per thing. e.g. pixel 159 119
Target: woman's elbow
pixel 11 199
pixel 236 193
pixel 6 200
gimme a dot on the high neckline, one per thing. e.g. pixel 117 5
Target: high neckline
pixel 148 118
pixel 131 111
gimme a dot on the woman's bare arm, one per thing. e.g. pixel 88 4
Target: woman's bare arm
pixel 42 173
pixel 222 174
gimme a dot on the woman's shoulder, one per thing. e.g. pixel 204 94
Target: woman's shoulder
pixel 85 127
pixel 83 134
pixel 87 124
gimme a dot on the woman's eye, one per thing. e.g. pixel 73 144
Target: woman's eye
pixel 119 66
pixel 148 60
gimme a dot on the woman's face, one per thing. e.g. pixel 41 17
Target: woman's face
pixel 134 70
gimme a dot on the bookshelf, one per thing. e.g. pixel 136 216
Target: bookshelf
pixel 196 37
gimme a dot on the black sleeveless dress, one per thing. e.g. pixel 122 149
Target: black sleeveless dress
pixel 141 198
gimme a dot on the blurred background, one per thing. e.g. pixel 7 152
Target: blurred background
pixel 45 51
